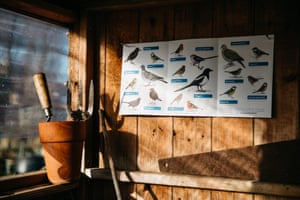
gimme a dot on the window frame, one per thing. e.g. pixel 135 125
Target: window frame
pixel 67 18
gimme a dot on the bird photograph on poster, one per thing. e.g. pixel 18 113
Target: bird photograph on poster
pixel 229 77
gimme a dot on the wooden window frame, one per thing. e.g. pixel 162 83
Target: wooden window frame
pixel 35 184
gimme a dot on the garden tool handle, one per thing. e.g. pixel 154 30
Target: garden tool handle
pixel 41 87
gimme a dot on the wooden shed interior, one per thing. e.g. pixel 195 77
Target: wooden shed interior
pixel 173 157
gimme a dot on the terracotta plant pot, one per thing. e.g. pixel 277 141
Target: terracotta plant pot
pixel 62 143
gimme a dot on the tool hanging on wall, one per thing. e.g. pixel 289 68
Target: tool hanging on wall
pixel 109 154
pixel 41 86
pixel 79 114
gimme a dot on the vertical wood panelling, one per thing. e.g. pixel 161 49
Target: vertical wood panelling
pixel 192 135
pixel 74 65
pixel 143 140
pixel 268 197
pixel 232 132
pixel 273 18
pixel 192 194
pixel 231 18
pixel 154 133
pixel 101 34
pixel 121 27
pixel 152 192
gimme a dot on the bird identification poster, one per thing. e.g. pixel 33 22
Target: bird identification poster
pixel 218 77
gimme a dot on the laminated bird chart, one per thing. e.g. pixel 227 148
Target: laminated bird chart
pixel 218 77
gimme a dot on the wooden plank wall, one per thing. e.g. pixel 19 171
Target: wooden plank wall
pixel 140 141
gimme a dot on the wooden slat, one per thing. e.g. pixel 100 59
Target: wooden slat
pixel 203 182
pixel 191 135
pixel 123 129
pixel 232 132
pixel 115 29
pixel 154 133
pixel 281 19
pixel 231 18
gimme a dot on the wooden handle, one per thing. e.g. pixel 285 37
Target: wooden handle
pixel 41 87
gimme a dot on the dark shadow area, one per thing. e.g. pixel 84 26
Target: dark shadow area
pixel 277 162
pixel 122 145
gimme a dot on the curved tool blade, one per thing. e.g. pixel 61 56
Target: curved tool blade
pixel 91 100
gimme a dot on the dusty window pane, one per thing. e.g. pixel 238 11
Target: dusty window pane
pixel 28 46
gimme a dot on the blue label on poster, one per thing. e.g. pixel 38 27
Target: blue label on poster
pixel 152 108
pixel 228 101
pixel 177 59
pixel 151 48
pixel 238 43
pixel 155 66
pixel 130 93
pixel 179 80
pixel 131 72
pixel 175 108
pixel 258 64
pixel 204 96
pixel 204 48
pixel 257 97
pixel 234 81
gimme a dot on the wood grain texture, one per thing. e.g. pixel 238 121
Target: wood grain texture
pixel 164 137
pixel 274 18
pixel 190 193
pixel 249 163
pixel 154 133
pixel 114 29
pixel 232 132
pixel 231 18
pixel 204 182
pixel 192 134
pixel 120 28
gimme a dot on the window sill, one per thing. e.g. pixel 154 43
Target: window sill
pixel 33 184
pixel 38 191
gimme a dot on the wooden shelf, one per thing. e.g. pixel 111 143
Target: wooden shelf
pixel 200 182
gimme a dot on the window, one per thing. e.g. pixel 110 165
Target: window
pixel 28 46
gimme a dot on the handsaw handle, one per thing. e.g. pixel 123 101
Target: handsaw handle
pixel 41 87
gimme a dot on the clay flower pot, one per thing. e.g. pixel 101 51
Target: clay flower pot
pixel 62 144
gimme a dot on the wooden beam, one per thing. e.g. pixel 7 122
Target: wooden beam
pixel 131 4
pixel 200 182
pixel 43 10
